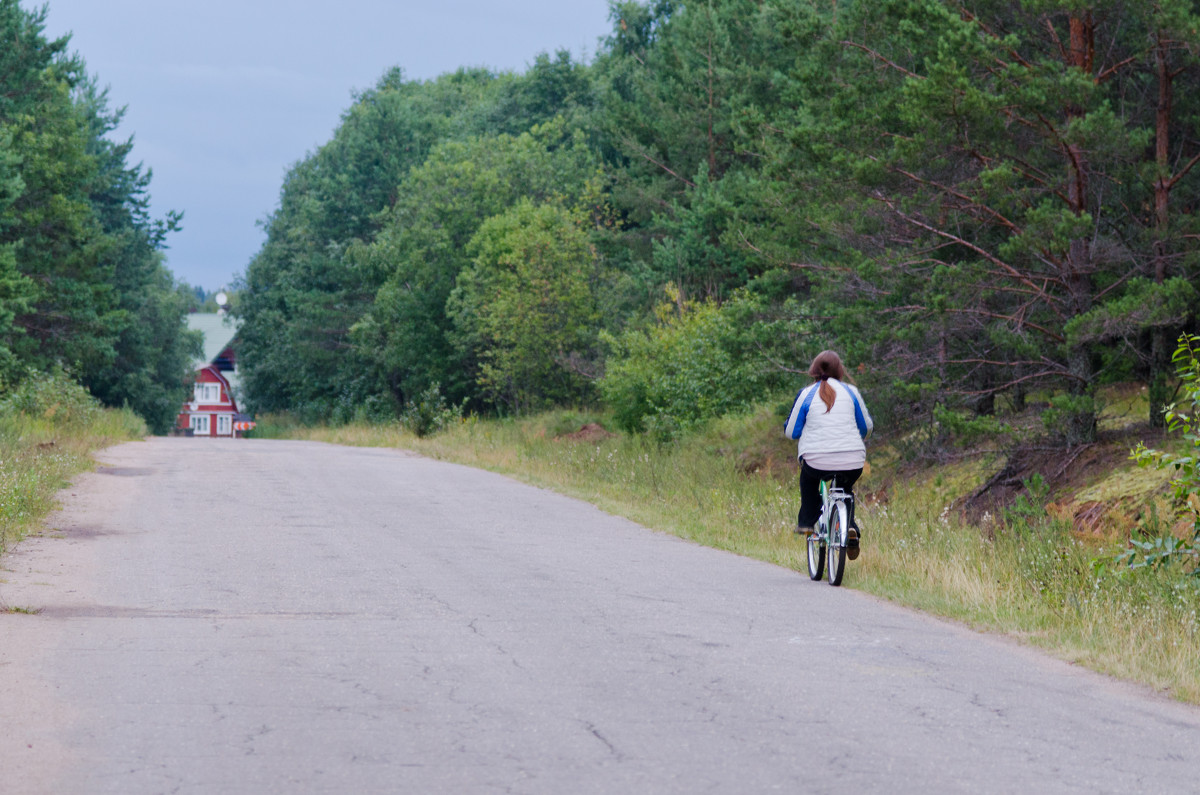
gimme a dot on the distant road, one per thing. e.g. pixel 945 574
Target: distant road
pixel 287 617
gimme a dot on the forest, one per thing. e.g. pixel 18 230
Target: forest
pixel 982 205
pixel 84 289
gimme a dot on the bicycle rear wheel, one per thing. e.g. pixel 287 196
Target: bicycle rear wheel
pixel 816 557
pixel 837 545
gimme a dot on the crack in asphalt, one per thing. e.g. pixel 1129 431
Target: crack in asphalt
pixel 595 732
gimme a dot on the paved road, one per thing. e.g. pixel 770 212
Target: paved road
pixel 278 617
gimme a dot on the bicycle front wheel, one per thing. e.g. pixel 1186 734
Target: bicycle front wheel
pixel 837 546
pixel 816 557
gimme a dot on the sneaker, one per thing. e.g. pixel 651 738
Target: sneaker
pixel 801 530
pixel 852 543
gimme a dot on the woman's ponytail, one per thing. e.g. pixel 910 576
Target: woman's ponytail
pixel 828 394
pixel 827 365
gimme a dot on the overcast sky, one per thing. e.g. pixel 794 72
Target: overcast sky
pixel 224 95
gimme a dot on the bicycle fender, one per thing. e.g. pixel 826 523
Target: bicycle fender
pixel 843 524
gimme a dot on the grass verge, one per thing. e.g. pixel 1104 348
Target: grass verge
pixel 48 429
pixel 1024 574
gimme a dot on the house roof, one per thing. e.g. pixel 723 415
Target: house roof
pixel 218 329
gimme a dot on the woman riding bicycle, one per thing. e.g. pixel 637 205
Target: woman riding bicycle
pixel 831 421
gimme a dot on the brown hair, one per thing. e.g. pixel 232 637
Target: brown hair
pixel 827 365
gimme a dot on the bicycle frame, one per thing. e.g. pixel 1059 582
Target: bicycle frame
pixel 829 536
pixel 832 499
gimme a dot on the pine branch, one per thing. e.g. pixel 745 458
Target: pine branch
pixel 877 56
pixel 1001 264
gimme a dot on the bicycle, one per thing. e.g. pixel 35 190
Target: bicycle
pixel 828 538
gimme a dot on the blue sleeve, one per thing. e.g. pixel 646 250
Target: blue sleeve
pixel 861 418
pixel 795 423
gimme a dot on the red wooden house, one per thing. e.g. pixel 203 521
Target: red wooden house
pixel 213 409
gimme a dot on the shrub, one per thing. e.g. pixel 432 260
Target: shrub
pixel 430 412
pixel 697 363
pixel 1155 550
pixel 53 397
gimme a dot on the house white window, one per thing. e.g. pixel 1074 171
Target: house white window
pixel 208 393
pixel 224 425
pixel 200 424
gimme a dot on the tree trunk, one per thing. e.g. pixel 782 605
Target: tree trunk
pixel 1160 353
pixel 1080 416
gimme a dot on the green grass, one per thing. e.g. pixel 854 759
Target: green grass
pixel 48 430
pixel 732 487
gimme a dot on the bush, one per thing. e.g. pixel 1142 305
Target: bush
pixel 1154 550
pixel 52 397
pixel 697 363
pixel 430 412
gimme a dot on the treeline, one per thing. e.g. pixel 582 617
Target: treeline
pixel 83 287
pixel 980 204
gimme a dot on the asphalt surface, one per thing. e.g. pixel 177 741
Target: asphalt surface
pixel 278 617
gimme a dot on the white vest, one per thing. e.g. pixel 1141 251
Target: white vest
pixel 840 431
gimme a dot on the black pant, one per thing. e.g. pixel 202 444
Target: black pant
pixel 810 491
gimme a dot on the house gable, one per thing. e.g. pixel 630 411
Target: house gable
pixel 212 409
